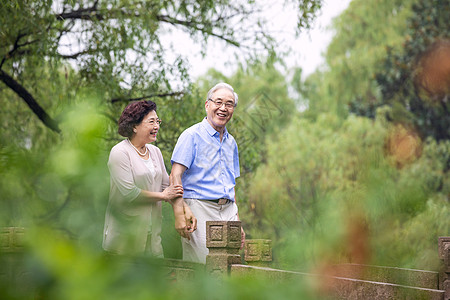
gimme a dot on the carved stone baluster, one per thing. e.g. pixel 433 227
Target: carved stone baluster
pixel 223 239
pixel 444 276
pixel 13 269
pixel 258 252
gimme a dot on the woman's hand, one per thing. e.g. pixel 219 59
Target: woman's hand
pixel 173 192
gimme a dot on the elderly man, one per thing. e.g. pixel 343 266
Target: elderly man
pixel 206 162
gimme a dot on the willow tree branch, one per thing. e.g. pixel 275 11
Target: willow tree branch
pixel 147 97
pixel 76 55
pixel 93 13
pixel 15 47
pixel 90 13
pixel 30 101
pixel 196 26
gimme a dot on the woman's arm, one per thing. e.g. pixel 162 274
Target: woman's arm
pixel 168 192
pixel 171 193
pixel 119 166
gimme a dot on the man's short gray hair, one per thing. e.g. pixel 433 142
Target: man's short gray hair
pixel 222 85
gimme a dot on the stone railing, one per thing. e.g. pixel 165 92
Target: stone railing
pixel 258 252
pixel 11 239
pixel 347 281
pixel 444 275
pixel 223 240
pixel 13 269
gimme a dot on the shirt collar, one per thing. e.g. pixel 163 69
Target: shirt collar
pixel 211 129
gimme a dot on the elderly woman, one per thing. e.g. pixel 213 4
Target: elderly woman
pixel 139 183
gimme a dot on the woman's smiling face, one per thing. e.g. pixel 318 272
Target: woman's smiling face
pixel 148 128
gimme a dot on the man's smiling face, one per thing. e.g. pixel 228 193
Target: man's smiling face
pixel 218 116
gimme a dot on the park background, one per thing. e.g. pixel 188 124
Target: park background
pixel 348 163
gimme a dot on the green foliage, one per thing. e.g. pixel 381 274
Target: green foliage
pixel 53 184
pixel 421 191
pixel 118 46
pixel 411 79
pixel 327 178
pixel 362 33
pixel 306 163
pixel 338 177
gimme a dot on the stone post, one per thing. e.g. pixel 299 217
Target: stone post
pixel 258 252
pixel 14 272
pixel 223 239
pixel 444 276
pixel 11 239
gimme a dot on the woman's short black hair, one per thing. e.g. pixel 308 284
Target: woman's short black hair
pixel 132 116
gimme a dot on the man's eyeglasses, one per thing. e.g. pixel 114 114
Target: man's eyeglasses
pixel 218 103
pixel 153 122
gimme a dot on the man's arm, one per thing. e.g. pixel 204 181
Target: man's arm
pixel 185 221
